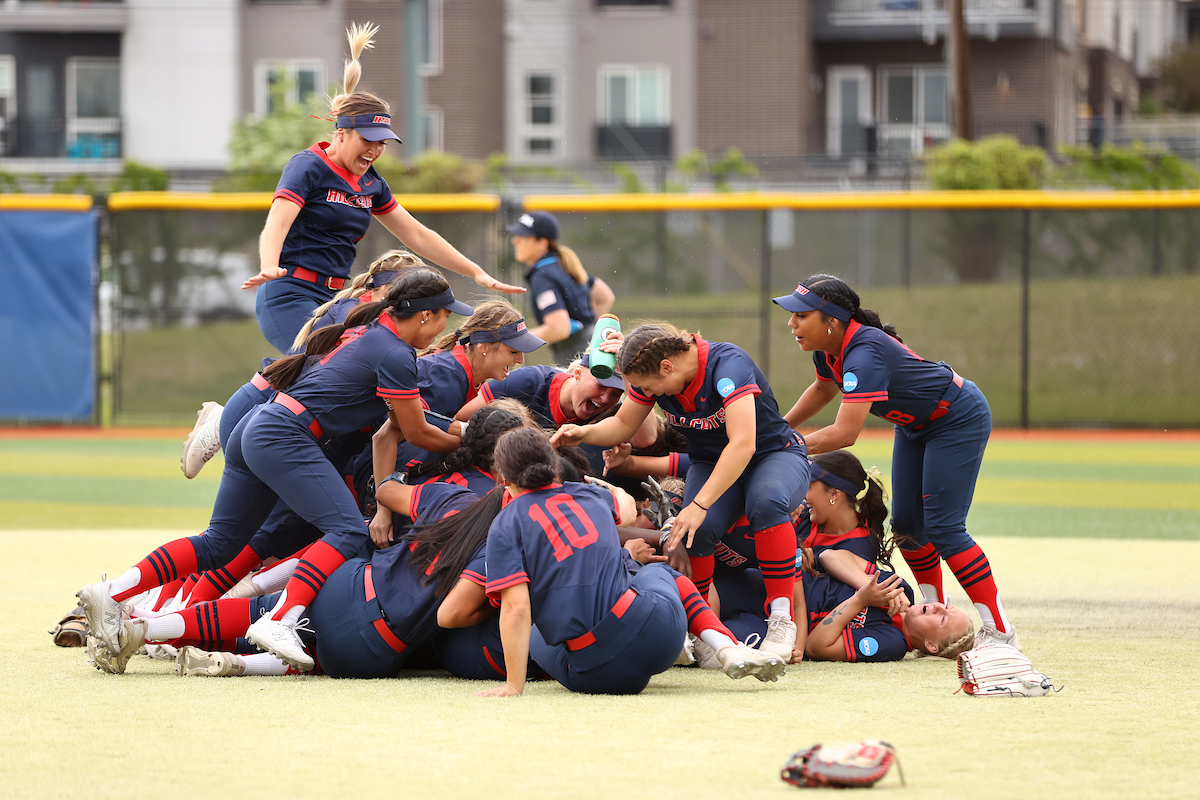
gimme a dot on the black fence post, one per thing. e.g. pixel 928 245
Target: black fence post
pixel 1156 266
pixel 660 248
pixel 906 248
pixel 1026 270
pixel 764 313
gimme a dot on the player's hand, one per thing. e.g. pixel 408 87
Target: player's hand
pixel 797 654
pixel 381 527
pixel 898 604
pixel 642 552
pixel 678 560
pixel 880 595
pixel 686 524
pixel 612 342
pixel 569 435
pixel 616 456
pixel 505 690
pixel 264 275
pixel 488 282
pixel 808 562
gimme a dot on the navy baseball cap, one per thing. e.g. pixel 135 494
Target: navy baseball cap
pixel 804 299
pixel 541 224
pixel 372 127
pixel 613 381
pixel 515 334
pixel 444 300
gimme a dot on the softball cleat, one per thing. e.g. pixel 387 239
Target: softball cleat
pixel 740 660
pixel 204 441
pixel 281 640
pixel 781 637
pixel 194 662
pixel 104 614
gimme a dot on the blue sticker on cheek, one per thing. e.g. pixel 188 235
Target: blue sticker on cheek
pixel 868 646
pixel 724 387
pixel 849 382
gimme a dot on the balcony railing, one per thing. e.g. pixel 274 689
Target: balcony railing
pixel 633 143
pixel 60 137
pixel 901 19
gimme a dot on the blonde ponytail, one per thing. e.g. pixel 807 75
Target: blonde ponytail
pixel 570 262
pixel 351 102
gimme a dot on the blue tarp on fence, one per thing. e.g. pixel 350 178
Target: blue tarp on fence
pixel 46 274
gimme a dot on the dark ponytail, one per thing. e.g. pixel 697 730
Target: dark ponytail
pixel 445 547
pixel 412 284
pixel 525 458
pixel 871 505
pixel 484 429
pixel 835 290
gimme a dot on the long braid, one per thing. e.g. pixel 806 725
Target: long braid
pixel 647 345
pixel 483 430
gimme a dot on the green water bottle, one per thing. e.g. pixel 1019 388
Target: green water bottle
pixel 603 364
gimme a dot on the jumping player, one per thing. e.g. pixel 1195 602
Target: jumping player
pixel 323 206
pixel 942 427
pixel 275 454
pixel 745 458
pixel 553 558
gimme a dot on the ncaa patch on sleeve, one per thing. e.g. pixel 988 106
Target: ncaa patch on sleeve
pixel 849 382
pixel 546 299
pixel 725 387
pixel 868 646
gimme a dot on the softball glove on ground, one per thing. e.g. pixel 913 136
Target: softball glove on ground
pixel 71 630
pixel 1000 670
pixel 841 765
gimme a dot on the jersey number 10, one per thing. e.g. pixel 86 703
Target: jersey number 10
pixel 562 526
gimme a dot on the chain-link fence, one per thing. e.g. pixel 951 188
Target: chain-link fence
pixel 1063 315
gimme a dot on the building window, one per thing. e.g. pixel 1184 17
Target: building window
pixel 8 104
pixel 847 110
pixel 634 96
pixel 279 84
pixel 618 3
pixel 915 110
pixel 433 128
pixel 431 42
pixel 93 107
pixel 542 128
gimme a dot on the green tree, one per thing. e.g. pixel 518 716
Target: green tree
pixel 1179 78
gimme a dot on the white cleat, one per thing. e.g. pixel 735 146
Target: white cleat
pixel 781 637
pixel 688 654
pixel 741 660
pixel 706 657
pixel 104 615
pixel 988 635
pixel 204 441
pixel 194 662
pixel 133 637
pixel 162 652
pixel 281 640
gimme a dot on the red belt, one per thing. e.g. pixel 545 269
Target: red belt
pixel 588 639
pixel 259 382
pixel 943 406
pixel 296 407
pixel 392 640
pixel 320 280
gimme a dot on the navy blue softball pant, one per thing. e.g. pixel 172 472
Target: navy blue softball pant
pixel 283 305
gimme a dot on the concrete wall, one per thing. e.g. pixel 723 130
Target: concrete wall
pixel 291 31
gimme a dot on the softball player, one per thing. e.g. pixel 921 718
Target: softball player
pixel 553 558
pixel 942 427
pixel 365 619
pixel 846 509
pixel 566 300
pixel 322 207
pixel 745 458
pixel 275 454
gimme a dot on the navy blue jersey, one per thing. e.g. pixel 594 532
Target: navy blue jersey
pixel 345 390
pixel 335 211
pixel 552 289
pixel 562 540
pixel 875 368
pixel 340 310
pixel 873 635
pixel 726 373
pixel 538 388
pixel 473 478
pixel 408 603
pixel 857 541
pixel 445 381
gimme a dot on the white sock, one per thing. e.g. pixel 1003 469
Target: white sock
pixel 264 664
pixel 716 640
pixel 165 628
pixel 126 582
pixel 292 615
pixel 275 578
pixel 782 607
pixel 930 593
pixel 985 615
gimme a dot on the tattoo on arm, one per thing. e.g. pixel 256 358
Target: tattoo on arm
pixel 833 614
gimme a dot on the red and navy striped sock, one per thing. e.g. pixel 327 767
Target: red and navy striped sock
pixel 926 566
pixel 776 551
pixel 702 572
pixel 216 582
pixel 169 590
pixel 700 615
pixel 974 573
pixel 314 569
pixel 214 625
pixel 165 564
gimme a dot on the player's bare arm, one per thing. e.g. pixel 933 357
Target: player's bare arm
pixel 270 242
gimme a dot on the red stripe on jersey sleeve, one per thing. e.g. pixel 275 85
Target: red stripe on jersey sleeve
pixel 414 501
pixel 494 588
pixel 288 194
pixel 385 209
pixel 486 393
pixel 673 464
pixel 474 577
pixel 848 642
pixel 873 397
pixel 638 397
pixel 821 377
pixel 398 394
pixel 749 389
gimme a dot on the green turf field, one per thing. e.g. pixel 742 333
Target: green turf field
pixel 1094 544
